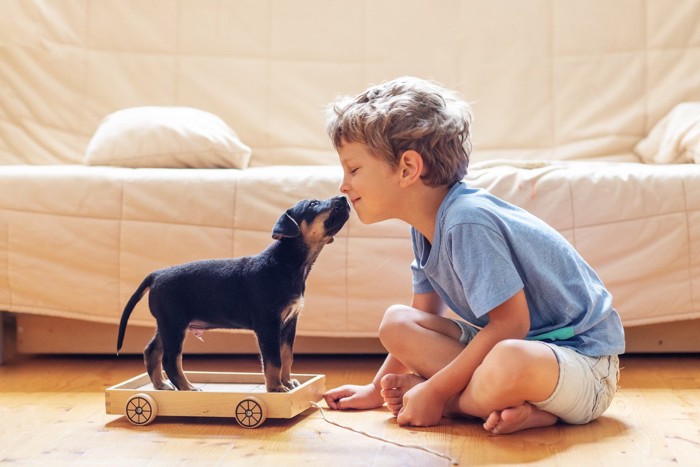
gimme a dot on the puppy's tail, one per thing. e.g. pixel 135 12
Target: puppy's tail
pixel 138 294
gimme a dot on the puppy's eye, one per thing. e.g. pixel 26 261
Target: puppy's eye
pixel 314 203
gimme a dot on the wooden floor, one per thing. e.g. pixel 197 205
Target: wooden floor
pixel 52 413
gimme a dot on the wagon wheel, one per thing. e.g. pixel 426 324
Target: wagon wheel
pixel 251 412
pixel 141 409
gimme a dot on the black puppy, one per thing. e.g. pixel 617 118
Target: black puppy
pixel 264 293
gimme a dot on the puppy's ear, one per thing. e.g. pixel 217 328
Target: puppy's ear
pixel 286 227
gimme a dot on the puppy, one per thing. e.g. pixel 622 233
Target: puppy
pixel 264 293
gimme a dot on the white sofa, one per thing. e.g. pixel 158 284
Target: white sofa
pixel 565 96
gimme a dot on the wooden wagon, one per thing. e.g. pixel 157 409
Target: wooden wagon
pixel 239 395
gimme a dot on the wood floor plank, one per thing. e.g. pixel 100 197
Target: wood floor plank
pixel 52 413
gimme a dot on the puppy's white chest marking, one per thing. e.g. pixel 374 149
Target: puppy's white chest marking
pixel 292 310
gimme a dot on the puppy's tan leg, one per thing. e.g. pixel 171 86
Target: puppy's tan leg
pixel 272 378
pixel 153 358
pixel 287 358
pixel 172 362
pixel 269 344
pixel 287 347
pixel 185 384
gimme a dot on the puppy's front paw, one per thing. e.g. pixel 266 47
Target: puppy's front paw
pixel 277 388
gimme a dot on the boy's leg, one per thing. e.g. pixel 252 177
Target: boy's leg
pixel 424 342
pixel 514 372
pixel 540 381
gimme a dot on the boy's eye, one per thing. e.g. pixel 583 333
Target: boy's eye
pixel 353 171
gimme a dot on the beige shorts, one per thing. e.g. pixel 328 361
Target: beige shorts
pixel 585 388
pixel 586 385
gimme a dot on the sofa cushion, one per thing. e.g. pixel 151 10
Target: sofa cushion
pixel 172 137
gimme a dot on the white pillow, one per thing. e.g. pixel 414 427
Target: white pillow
pixel 171 137
pixel 675 138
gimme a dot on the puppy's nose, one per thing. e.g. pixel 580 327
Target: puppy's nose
pixel 339 203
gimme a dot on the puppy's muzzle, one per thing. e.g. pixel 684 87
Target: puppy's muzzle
pixel 339 215
pixel 340 204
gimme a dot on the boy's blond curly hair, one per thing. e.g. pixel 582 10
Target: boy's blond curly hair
pixel 407 114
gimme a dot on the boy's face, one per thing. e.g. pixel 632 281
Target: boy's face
pixel 369 182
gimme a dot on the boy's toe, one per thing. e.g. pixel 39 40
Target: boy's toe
pixel 390 381
pixel 492 421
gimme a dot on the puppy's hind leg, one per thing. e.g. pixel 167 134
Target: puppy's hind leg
pixel 153 358
pixel 172 360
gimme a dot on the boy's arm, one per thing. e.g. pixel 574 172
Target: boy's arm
pixel 429 302
pixel 510 320
pixel 368 396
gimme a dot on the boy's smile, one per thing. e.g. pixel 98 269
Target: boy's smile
pixel 369 183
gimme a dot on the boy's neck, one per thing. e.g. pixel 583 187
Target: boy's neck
pixel 422 206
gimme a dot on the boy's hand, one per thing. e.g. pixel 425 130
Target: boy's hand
pixel 354 397
pixel 422 406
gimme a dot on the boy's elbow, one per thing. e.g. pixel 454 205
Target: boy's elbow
pixel 522 330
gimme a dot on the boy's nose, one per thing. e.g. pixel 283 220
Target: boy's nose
pixel 344 187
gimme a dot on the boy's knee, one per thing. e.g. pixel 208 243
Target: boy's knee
pixel 394 322
pixel 503 366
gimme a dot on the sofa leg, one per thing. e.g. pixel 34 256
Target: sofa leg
pixel 8 342
pixel 2 341
pixel 6 321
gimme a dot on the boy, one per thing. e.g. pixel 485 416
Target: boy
pixel 539 340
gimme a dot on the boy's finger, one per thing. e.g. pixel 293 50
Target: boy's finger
pixel 403 418
pixel 333 399
pixel 337 393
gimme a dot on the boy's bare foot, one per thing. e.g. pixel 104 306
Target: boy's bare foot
pixel 518 418
pixel 394 386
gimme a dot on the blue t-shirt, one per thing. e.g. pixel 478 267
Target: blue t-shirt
pixel 485 250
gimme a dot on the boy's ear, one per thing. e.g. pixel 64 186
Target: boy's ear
pixel 286 227
pixel 410 167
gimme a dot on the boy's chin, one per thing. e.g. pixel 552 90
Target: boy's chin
pixel 368 219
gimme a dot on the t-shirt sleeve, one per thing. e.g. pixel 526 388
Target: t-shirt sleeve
pixel 483 262
pixel 421 284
